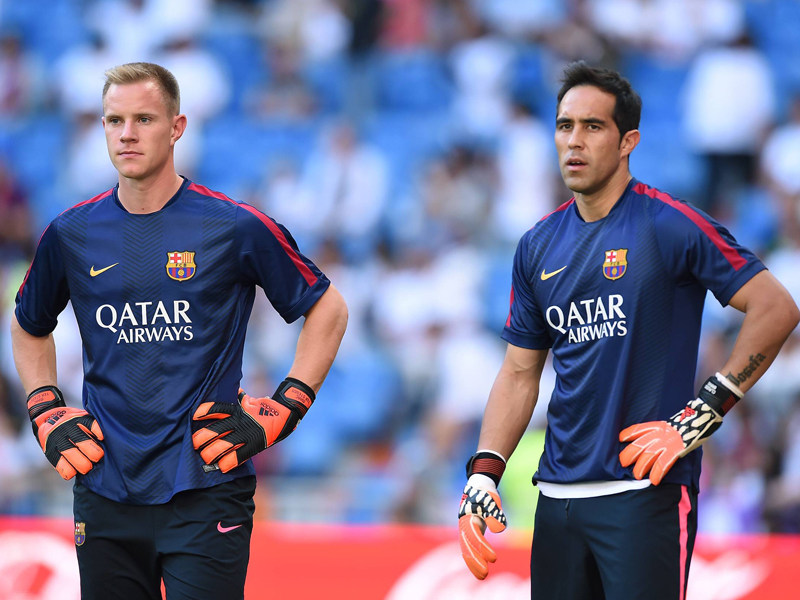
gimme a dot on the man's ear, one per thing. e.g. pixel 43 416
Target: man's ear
pixel 628 142
pixel 178 127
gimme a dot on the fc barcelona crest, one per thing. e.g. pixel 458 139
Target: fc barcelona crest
pixel 180 265
pixel 80 533
pixel 616 263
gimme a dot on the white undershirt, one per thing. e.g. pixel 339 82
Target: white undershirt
pixel 589 489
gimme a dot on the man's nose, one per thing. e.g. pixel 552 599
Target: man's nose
pixel 128 131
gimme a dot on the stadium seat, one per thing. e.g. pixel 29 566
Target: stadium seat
pixel 243 58
pixel 414 81
pixel 237 151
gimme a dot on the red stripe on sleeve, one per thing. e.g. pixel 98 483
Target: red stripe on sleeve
pixel 736 260
pixel 305 271
pixel 510 303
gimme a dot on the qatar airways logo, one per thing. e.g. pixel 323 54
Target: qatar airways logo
pixel 589 320
pixel 142 322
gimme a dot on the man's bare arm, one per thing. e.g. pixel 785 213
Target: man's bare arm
pixel 770 317
pixel 34 357
pixel 512 400
pixel 319 339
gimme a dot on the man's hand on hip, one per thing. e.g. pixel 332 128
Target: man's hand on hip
pixel 656 446
pixel 229 434
pixel 69 437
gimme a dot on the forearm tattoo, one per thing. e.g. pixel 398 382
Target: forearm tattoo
pixel 748 371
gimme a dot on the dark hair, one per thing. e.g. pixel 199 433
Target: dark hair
pixel 144 71
pixel 628 106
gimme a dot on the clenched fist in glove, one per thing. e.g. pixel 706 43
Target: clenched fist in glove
pixel 480 508
pixel 68 436
pixel 229 434
pixel 656 446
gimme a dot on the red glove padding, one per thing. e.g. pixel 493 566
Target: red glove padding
pixel 656 445
pixel 69 438
pixel 229 434
pixel 480 507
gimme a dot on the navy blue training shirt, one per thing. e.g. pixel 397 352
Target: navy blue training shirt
pixel 162 301
pixel 620 302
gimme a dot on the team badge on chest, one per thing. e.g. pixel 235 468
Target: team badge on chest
pixel 181 265
pixel 615 263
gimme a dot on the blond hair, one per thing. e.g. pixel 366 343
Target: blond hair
pixel 143 71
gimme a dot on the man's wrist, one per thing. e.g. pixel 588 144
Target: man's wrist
pixel 488 463
pixel 296 395
pixel 43 399
pixel 720 394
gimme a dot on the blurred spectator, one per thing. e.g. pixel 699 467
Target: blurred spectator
pixel 675 29
pixel 313 30
pixel 86 168
pixel 127 29
pixel 780 161
pixel 78 77
pixel 134 29
pixel 522 20
pixel 16 236
pixel 456 196
pixel 21 77
pixel 527 176
pixel 284 196
pixel 782 502
pixel 577 38
pixel 481 68
pixel 405 24
pixel 366 23
pixel 348 180
pixel 729 103
pixel 284 95
pixel 205 92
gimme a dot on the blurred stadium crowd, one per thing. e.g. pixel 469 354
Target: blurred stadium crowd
pixel 407 144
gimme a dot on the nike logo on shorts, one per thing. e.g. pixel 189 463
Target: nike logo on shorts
pixel 223 529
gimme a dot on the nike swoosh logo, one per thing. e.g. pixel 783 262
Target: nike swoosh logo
pixel 222 529
pixel 95 273
pixel 546 276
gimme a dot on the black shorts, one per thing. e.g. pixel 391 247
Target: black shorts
pixel 635 545
pixel 198 543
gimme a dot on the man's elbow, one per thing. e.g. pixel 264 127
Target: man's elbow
pixel 785 313
pixel 334 309
pixel 793 317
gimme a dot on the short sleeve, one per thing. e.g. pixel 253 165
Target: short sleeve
pixel 270 258
pixel 525 326
pixel 44 292
pixel 696 246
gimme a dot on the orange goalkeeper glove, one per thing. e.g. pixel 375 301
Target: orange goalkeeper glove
pixel 480 507
pixel 229 434
pixel 656 446
pixel 68 436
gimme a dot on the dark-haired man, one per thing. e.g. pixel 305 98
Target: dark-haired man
pixel 614 282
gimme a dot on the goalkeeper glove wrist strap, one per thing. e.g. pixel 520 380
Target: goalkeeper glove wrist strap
pixel 41 400
pixel 720 394
pixel 296 395
pixel 487 463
